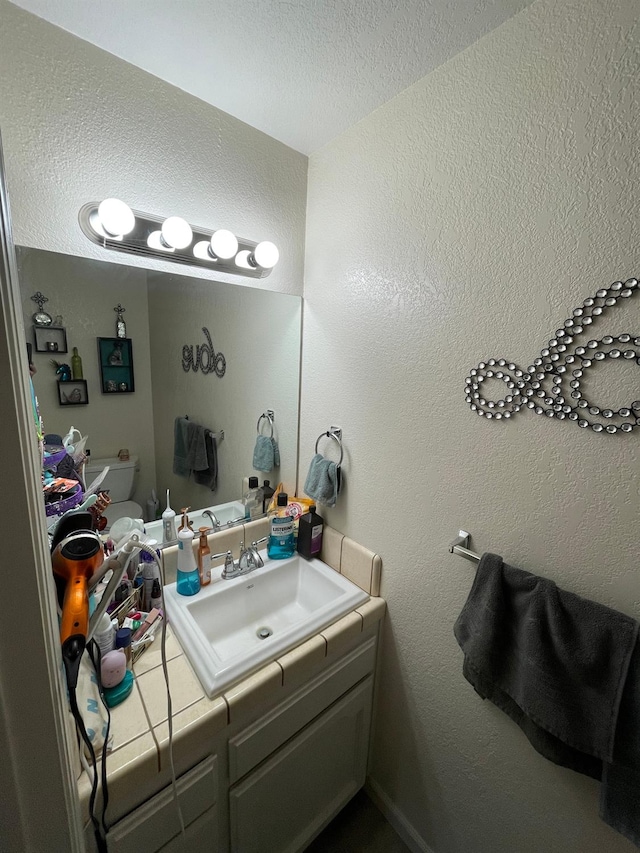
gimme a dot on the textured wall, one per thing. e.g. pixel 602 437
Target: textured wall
pixel 80 125
pixel 465 219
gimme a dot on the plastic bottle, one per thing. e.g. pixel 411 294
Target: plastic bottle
pixel 156 594
pixel 188 581
pixel 267 494
pixel 310 528
pixel 149 574
pixel 252 500
pixel 123 641
pixel 204 558
pixel 76 365
pixel 281 538
pixel 168 524
pixel 105 635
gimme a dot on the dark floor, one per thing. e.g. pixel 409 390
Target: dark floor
pixel 359 828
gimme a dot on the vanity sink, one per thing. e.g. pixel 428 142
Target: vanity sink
pixel 233 627
pixel 231 511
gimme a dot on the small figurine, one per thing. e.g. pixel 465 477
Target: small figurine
pixel 62 370
pixel 115 357
pixel 121 329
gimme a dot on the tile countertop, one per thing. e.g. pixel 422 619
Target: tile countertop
pixel 139 725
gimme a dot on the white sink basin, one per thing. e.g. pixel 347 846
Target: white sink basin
pixel 223 512
pixel 286 600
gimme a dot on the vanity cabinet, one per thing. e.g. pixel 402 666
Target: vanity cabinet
pixel 281 806
pixel 276 775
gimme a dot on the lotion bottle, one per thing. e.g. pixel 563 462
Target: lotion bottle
pixel 168 523
pixel 188 580
pixel 204 558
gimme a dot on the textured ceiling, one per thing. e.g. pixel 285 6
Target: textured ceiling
pixel 300 70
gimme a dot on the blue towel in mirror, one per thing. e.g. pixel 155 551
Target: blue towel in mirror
pixel 322 480
pixel 266 454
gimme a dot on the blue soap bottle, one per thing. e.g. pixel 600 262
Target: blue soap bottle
pixel 281 537
pixel 188 578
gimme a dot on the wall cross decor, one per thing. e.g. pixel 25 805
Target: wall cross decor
pixel 552 385
pixel 206 358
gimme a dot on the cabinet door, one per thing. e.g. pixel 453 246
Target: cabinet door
pixel 154 824
pixel 283 804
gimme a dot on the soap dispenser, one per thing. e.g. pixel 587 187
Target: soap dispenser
pixel 188 579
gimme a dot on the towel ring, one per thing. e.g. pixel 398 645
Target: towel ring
pixel 268 415
pixel 335 437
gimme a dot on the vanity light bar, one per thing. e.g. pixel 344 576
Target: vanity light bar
pixel 112 224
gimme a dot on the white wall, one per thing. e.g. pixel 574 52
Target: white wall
pixel 81 125
pixel 462 220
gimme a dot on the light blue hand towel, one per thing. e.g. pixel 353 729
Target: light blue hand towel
pixel 266 454
pixel 322 480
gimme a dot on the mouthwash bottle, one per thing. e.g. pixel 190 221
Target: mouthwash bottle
pixel 281 538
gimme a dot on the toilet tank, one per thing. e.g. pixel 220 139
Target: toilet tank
pixel 121 479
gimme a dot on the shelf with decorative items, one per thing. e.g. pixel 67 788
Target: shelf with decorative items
pixel 115 357
pixel 49 335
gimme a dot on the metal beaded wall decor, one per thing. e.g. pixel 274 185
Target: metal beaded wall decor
pixel 206 358
pixel 542 386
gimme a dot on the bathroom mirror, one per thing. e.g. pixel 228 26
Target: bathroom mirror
pixel 257 331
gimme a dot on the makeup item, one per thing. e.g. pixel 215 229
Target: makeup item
pixel 156 594
pixel 123 641
pixel 204 558
pixel 151 619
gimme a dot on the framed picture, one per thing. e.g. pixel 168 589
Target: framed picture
pixel 73 392
pixel 50 338
pixel 115 357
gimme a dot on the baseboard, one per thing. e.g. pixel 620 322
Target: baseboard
pixel 397 820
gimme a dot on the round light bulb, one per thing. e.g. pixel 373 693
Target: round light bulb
pixel 202 250
pixel 242 260
pixel 176 232
pixel 224 244
pixel 266 254
pixel 155 241
pixel 116 217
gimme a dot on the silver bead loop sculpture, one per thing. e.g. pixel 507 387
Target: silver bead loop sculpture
pixel 551 386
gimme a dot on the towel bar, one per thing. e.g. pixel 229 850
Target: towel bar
pixel 459 547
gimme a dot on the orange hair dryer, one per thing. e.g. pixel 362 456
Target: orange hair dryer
pixel 77 553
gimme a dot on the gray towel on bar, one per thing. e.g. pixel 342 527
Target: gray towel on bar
pixel 180 463
pixel 266 454
pixel 209 476
pixel 620 791
pixel 189 449
pixel 567 670
pixel 322 480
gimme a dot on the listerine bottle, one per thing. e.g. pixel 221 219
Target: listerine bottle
pixel 281 538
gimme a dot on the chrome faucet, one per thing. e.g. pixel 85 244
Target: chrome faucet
pixel 215 524
pixel 248 560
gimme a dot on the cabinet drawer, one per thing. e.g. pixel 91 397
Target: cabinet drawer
pixel 283 804
pixel 258 741
pixel 155 823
